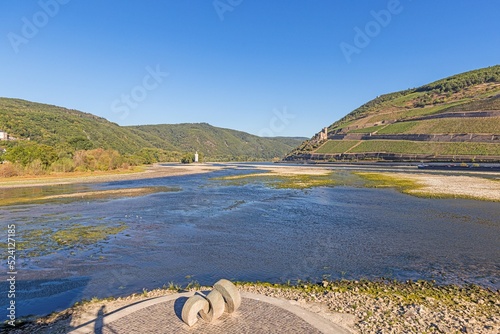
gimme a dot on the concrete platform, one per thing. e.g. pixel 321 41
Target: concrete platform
pixel 257 314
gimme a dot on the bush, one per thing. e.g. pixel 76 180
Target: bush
pixel 25 153
pixel 98 159
pixel 36 167
pixel 8 169
pixel 63 165
pixel 187 158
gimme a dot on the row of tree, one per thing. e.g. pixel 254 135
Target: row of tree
pixel 461 81
pixel 28 157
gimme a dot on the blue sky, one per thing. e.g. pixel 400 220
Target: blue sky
pixel 283 68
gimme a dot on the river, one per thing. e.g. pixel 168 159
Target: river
pixel 209 230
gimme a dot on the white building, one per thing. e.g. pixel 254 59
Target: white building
pixel 4 135
pixel 196 157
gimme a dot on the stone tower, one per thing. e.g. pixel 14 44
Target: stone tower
pixel 323 135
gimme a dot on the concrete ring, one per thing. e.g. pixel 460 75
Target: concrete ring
pixel 217 306
pixel 194 305
pixel 230 293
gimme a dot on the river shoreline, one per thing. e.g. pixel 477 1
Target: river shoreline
pixel 365 306
pixel 361 306
pixel 476 186
pixel 151 171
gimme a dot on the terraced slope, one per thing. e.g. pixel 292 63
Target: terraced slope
pixel 454 119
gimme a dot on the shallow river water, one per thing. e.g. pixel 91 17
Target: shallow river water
pixel 210 230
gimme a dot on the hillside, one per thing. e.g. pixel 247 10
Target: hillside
pixel 68 130
pixel 216 143
pixel 453 119
pixel 59 127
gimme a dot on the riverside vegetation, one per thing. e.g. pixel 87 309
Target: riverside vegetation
pixel 282 181
pixel 416 184
pixel 48 139
pixel 76 237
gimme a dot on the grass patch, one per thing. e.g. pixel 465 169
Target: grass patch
pixel 377 180
pixel 40 242
pixel 370 129
pixel 282 181
pixel 336 146
pixel 425 147
pixel 484 125
pixel 85 235
pixel 397 128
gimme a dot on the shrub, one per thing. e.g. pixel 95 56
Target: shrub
pixel 25 153
pixel 36 167
pixel 187 158
pixel 98 159
pixel 8 169
pixel 63 165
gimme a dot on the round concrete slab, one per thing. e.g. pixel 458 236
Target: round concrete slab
pixel 257 314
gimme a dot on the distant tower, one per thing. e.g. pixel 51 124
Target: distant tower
pixel 324 134
pixel 196 157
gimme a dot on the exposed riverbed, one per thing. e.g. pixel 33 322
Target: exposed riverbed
pixel 208 228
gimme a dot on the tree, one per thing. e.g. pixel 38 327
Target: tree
pixel 187 158
pixel 26 152
pixel 80 143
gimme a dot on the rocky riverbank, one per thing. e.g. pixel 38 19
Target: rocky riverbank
pixel 393 307
pixel 361 306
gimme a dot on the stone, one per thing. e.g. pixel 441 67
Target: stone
pixel 217 306
pixel 230 293
pixel 193 306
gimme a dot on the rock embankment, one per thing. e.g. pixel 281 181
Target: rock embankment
pixel 382 307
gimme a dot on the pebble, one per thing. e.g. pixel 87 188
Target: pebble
pixel 392 313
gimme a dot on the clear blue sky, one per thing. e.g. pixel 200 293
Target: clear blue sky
pixel 239 65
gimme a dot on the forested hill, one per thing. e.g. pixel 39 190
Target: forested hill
pixel 216 143
pixel 453 119
pixel 66 131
